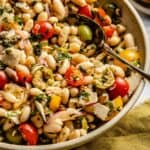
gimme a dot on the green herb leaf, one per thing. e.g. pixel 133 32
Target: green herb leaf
pixel 18 20
pixel 37 49
pixel 62 56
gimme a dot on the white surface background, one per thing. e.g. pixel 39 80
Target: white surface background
pixel 146 92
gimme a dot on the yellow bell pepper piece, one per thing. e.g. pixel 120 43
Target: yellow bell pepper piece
pixel 91 1
pixel 118 102
pixel 55 102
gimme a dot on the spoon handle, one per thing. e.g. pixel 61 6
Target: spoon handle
pixel 113 54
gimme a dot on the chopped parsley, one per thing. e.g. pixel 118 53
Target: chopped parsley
pixel 42 97
pixel 18 20
pixel 35 38
pixel 84 95
pixel 62 56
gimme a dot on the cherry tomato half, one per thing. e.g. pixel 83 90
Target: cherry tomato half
pixel 24 77
pixel 109 30
pixel 85 10
pixel 44 29
pixel 29 133
pixel 74 77
pixel 3 79
pixel 120 88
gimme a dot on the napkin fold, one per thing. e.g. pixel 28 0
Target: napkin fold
pixel 132 132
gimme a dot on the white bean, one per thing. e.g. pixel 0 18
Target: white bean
pixel 74 134
pixel 26 111
pixel 64 67
pixel 38 7
pixel 30 60
pixel 79 58
pixel 11 74
pixel 64 135
pixel 10 97
pixel 114 40
pixel 63 36
pixel 3 112
pixel 65 95
pixel 28 25
pixel 118 71
pixel 22 68
pixel 74 47
pixel 120 28
pixel 35 91
pixel 26 17
pixel 59 9
pixel 73 30
pixel 53 20
pixel 85 65
pixel 88 80
pixel 129 40
pixel 51 62
pixel 80 3
pixel 43 16
pixel 74 92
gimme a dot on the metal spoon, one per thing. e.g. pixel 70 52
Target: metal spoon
pixel 100 41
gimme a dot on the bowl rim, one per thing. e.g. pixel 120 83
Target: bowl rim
pixel 109 124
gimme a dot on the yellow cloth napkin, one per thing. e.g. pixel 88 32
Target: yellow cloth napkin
pixel 131 133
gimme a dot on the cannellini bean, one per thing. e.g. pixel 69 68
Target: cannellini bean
pixel 83 132
pixel 53 20
pixel 51 61
pixel 78 58
pixel 88 80
pixel 28 47
pixel 129 40
pixel 11 74
pixel 75 39
pixel 43 16
pixel 65 95
pixel 24 34
pixel 23 6
pixel 73 102
pixel 26 17
pixel 10 97
pixel 85 65
pixel 73 30
pixel 118 71
pixel 74 134
pixel 30 61
pixel 64 135
pixel 59 9
pixel 53 90
pixel 80 3
pixel 8 125
pixel 62 69
pixel 58 77
pixel 114 40
pixel 28 25
pixel 40 109
pixel 54 127
pixel 26 111
pixel 22 68
pixel 120 28
pixel 74 92
pixel 35 91
pixel 63 36
pixel 74 47
pixel 37 121
pixel 3 112
pixel 38 7
pixel 3 2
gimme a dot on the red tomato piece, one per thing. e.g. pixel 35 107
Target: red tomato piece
pixel 74 77
pixel 120 88
pixel 109 30
pixel 29 133
pixel 44 29
pixel 101 12
pixel 24 77
pixel 85 10
pixel 3 79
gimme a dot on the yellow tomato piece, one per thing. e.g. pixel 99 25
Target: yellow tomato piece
pixel 118 102
pixel 130 55
pixel 91 1
pixel 54 102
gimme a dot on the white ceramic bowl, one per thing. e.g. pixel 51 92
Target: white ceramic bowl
pixel 134 24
